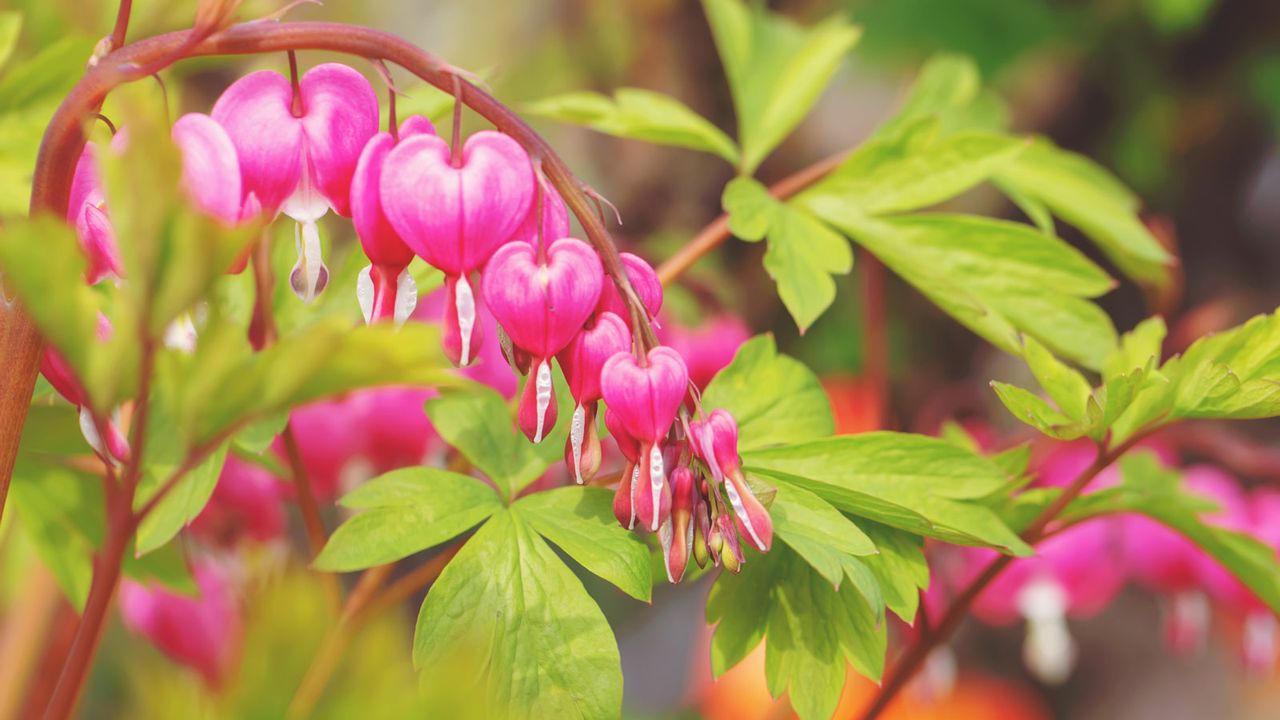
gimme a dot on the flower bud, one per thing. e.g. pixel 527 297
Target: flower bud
pixel 701 529
pixel 730 549
pixel 715 441
pixel 624 499
pixel 582 451
pixel 677 533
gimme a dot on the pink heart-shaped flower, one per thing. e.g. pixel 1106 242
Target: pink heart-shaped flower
pixel 381 243
pixel 210 169
pixel 590 349
pixel 314 154
pixel 646 284
pixel 645 399
pixel 542 306
pixel 455 217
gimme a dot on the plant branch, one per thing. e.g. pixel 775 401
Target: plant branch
pixel 711 236
pixel 122 24
pixel 916 653
pixel 311 521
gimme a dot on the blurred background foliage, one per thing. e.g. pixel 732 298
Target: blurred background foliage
pixel 1181 98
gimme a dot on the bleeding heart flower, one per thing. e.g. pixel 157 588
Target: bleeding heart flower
pixel 645 400
pixel 455 212
pixel 542 305
pixel 385 289
pixel 58 372
pixel 582 362
pixel 715 441
pixel 247 503
pixel 210 168
pixel 396 430
pixel 202 632
pixel 300 162
pixel 646 284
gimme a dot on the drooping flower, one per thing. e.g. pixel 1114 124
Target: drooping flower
pixel 58 372
pixel 200 632
pixel 643 280
pixel 385 289
pixel 645 399
pixel 455 212
pixel 298 155
pixel 715 440
pixel 542 303
pixel 582 362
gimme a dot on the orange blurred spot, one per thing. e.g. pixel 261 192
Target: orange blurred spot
pixel 855 402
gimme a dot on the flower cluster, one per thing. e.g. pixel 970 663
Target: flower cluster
pixel 482 214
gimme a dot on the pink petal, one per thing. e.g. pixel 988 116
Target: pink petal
pixel 256 113
pixel 646 399
pixel 455 218
pixel 586 355
pixel 339 115
pixel 210 169
pixel 382 245
pixel 542 307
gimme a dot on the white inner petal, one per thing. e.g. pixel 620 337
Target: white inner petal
pixel 406 296
pixel 657 478
pixel 635 483
pixel 577 430
pixel 465 306
pixel 741 511
pixel 364 293
pixel 309 270
pixel 306 204
pixel 542 393
pixel 665 535
pixel 90 433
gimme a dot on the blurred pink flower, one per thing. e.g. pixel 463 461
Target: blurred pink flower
pixel 246 503
pixel 200 632
pixel 706 348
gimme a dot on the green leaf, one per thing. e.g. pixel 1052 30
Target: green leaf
pixel 1231 375
pixel 1065 386
pixel 946 85
pixel 579 520
pixel 540 646
pixel 405 512
pixel 998 278
pixel 802 256
pixel 1138 349
pixel 1154 491
pixel 812 628
pixel 640 115
pixel 899 568
pixel 10 26
pixel 776 69
pixel 1085 195
pixel 817 531
pixel 1035 411
pixel 182 504
pixel 774 398
pixel 750 207
pixel 912 169
pixel 913 482
pixel 236 387
pixel 1036 211
pixel 477 422
pixel 59 512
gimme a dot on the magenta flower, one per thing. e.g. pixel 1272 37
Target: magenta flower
pixel 247 503
pixel 455 212
pixel 646 284
pixel 542 303
pixel 582 362
pixel 300 163
pixel 385 289
pixel 57 371
pixel 202 633
pixel 645 400
pixel 715 441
